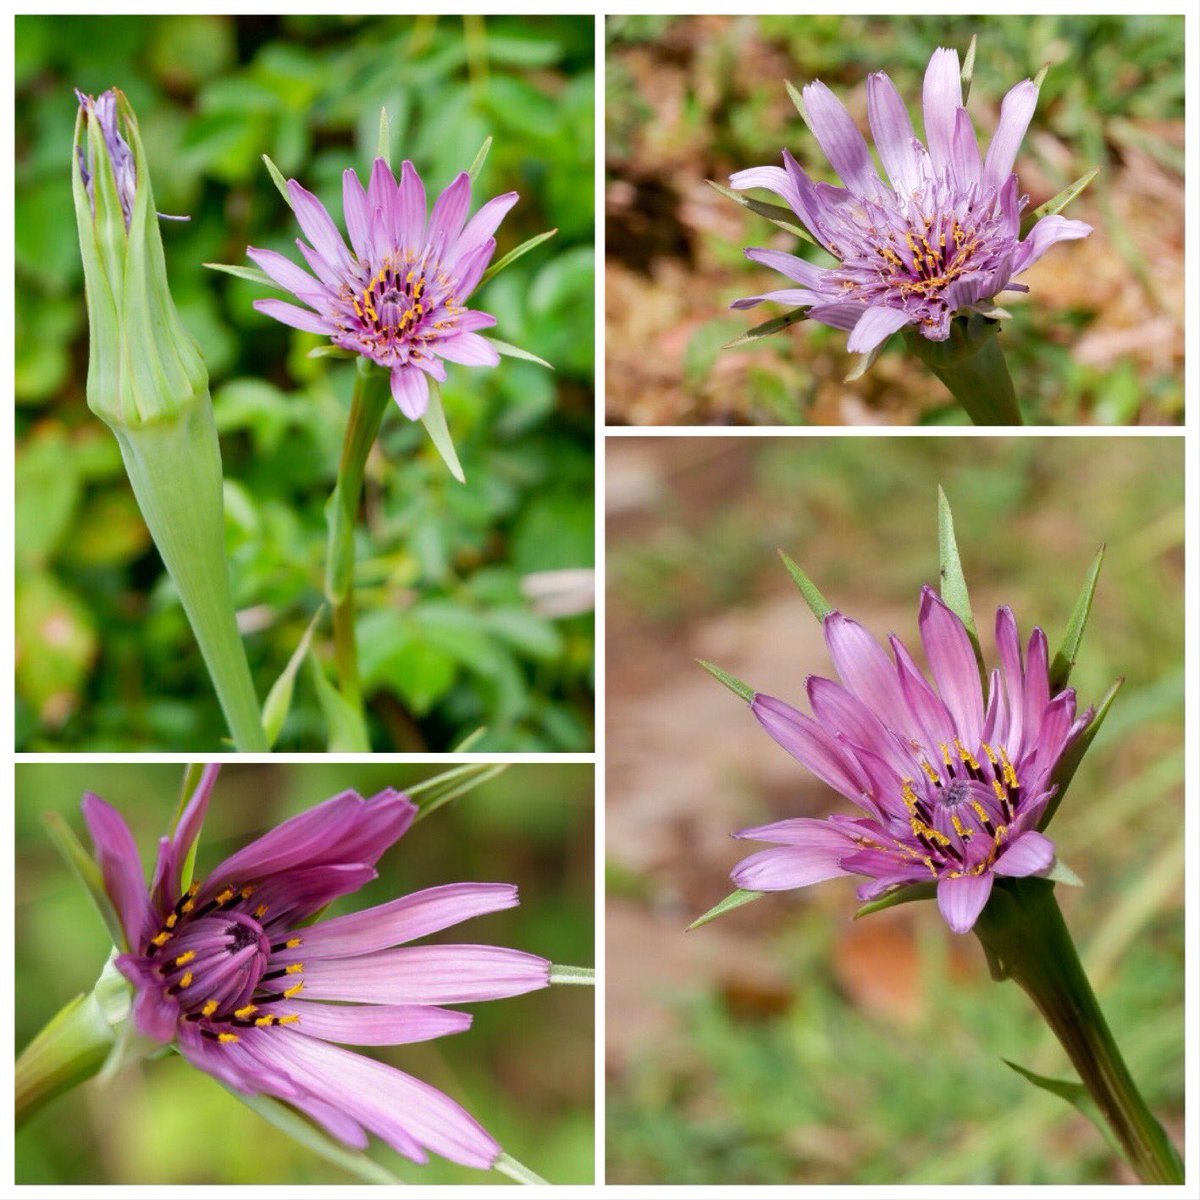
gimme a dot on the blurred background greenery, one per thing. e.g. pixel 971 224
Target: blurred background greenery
pixel 1098 340
pixel 449 638
pixel 786 1043
pixel 524 1069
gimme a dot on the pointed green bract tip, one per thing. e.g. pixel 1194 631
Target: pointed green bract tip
pixel 1063 661
pixel 735 685
pixel 821 608
pixel 732 901
pixel 384 147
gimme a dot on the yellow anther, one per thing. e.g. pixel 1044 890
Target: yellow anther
pixel 210 1007
pixel 966 755
pixel 991 754
pixel 909 796
pixel 294 969
pixel 290 1019
pixel 185 980
pixel 946 754
pixel 998 788
pixel 228 1037
pixel 264 1021
pixel 261 911
pixel 294 990
pixel 227 895
pixel 171 921
pixel 185 958
pixel 248 1011
pixel 410 276
pixel 929 863
pixel 927 767
pixel 161 939
pixel 248 891
pixel 292 943
pixel 958 825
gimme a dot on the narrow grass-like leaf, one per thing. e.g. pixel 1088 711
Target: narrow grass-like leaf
pixel 512 256
pixel 1064 770
pixel 1057 203
pixel 251 274
pixel 953 583
pixel 301 1130
pixel 821 608
pixel 346 730
pixel 84 868
pixel 434 421
pixel 279 698
pixel 1064 659
pixel 585 976
pixel 1076 1095
pixel 735 685
pixel 512 1169
pixel 775 213
pixel 510 351
pixel 732 901
pixel 470 740
pixel 902 895
pixel 383 148
pixel 452 784
pixel 797 98
pixel 278 179
pixel 480 158
pixel 775 325
pixel 968 69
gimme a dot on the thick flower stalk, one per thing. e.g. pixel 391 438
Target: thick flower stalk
pixel 147 381
pixel 397 295
pixel 939 239
pixel 234 971
pixel 952 780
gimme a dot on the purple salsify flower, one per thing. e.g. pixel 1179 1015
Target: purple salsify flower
pixel 942 238
pixel 228 968
pixel 397 295
pixel 953 787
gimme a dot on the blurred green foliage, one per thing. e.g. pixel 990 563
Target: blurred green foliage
pixel 815 1084
pixel 448 640
pixel 524 1068
pixel 1113 98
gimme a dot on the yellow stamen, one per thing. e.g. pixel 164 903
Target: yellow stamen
pixel 294 969
pixel 294 990
pixel 210 1007
pixel 185 958
pixel 248 1011
pixel 228 1037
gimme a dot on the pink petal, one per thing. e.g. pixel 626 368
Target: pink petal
pixel 357 213
pixel 374 1024
pixel 805 740
pixel 1016 111
pixel 866 671
pixel 410 390
pixel 469 349
pixel 1046 233
pixel 876 325
pixel 964 150
pixel 941 99
pixel 893 133
pixel 952 662
pixel 782 868
pixel 318 225
pixel 117 856
pixel 410 208
pixel 297 318
pixel 481 226
pixel 1029 854
pixel 406 919
pixel 791 265
pixel 450 974
pixel 961 899
pixel 844 146
pixel 449 213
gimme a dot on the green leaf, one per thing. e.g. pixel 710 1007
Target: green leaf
pixel 347 732
pixel 902 895
pixel 735 685
pixel 250 274
pixel 1040 77
pixel 434 421
pixel 480 158
pixel 512 256
pixel 1064 659
pixel 278 179
pixel 968 69
pixel 84 868
pixel 331 351
pixel 797 98
pixel 302 1130
pixel 821 608
pixel 1063 874
pixel 732 901
pixel 1076 1095
pixel 775 213
pixel 1057 203
pixel 383 147
pixel 516 352
pixel 953 584
pixel 508 1166
pixel 775 325
pixel 585 976
pixel 1066 767
pixel 470 740
pixel 450 785
pixel 279 698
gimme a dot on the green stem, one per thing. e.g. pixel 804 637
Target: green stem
pixel 69 1050
pixel 174 465
pixel 1026 939
pixel 367 408
pixel 971 365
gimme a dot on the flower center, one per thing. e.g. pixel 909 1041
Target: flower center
pixel 214 960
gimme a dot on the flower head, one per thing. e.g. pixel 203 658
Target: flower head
pixel 230 970
pixel 952 782
pixel 397 294
pixel 940 237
